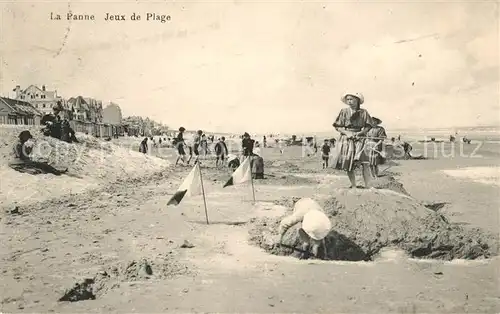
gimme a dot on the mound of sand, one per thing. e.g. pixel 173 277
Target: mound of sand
pixel 111 277
pixel 282 165
pixel 91 163
pixel 388 182
pixel 285 180
pixel 365 221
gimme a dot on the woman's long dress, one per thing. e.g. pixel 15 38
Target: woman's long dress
pixel 375 144
pixel 352 151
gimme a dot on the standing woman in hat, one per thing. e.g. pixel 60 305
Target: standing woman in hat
pixel 376 137
pixel 353 123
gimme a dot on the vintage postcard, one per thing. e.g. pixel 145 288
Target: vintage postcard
pixel 249 156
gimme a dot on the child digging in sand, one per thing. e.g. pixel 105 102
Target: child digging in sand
pixel 314 229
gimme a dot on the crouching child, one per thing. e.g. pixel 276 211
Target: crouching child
pixel 314 228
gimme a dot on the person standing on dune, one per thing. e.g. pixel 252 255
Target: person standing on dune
pixel 22 160
pixel 376 137
pixel 353 123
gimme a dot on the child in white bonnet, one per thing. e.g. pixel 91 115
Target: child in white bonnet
pixel 315 225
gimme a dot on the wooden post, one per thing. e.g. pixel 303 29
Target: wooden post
pixel 251 180
pixel 203 192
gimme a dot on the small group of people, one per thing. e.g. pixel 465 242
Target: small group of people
pixel 464 138
pixel 57 127
pixel 53 126
pixel 199 146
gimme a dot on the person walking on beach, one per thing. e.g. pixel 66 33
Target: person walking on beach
pixel 407 150
pixel 220 151
pixel 204 145
pixel 353 123
pixel 188 147
pixel 376 137
pixel 179 143
pixel 143 147
pixel 325 149
pixel 196 145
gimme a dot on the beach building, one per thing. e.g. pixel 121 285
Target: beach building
pixel 112 114
pixel 86 109
pixel 95 110
pixel 13 111
pixel 40 98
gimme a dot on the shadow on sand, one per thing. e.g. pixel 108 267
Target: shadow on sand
pixel 228 223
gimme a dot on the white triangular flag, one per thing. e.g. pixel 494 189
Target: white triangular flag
pixel 190 186
pixel 242 174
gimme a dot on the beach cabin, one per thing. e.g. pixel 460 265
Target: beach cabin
pixel 18 112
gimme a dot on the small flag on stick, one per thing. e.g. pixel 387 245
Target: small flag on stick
pixel 191 186
pixel 242 174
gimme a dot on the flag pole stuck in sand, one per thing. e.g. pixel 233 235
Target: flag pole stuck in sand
pixel 203 193
pixel 251 181
pixel 191 186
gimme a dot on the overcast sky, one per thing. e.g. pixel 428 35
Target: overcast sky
pixel 267 66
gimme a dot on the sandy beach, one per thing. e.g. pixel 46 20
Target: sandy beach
pixel 110 219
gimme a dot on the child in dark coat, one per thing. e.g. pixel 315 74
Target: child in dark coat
pixel 325 149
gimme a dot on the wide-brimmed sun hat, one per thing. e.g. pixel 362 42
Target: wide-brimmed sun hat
pixel 357 95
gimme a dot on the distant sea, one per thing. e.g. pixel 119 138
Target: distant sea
pixel 477 133
pixel 491 133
